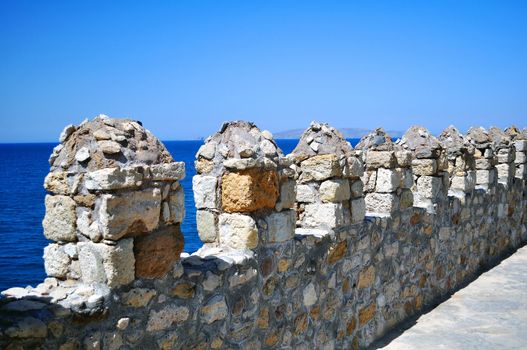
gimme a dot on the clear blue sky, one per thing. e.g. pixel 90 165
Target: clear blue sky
pixel 183 67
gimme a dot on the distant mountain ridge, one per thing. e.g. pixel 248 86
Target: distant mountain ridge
pixel 349 133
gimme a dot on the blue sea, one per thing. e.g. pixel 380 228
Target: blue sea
pixel 22 171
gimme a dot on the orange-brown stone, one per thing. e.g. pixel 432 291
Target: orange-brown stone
pixel 366 314
pixel 337 252
pixel 155 253
pixel 301 324
pixel 249 190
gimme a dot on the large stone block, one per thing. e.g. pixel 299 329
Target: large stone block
pixel 335 190
pixel 177 205
pixel 505 171
pixel 56 261
pixel 60 219
pixel 205 191
pixel 238 231
pixel 128 214
pixel 60 182
pixel 168 171
pixel 424 167
pixel 320 168
pixel 113 179
pixel 484 163
pixel 382 203
pixel 305 194
pixel 387 180
pixel 355 167
pixel 281 226
pixel 249 190
pixel 326 215
pixel 380 159
pixel 485 176
pixel 429 186
pixel 156 253
pixel 110 264
pixel 207 224
pixel 520 145
pixel 521 158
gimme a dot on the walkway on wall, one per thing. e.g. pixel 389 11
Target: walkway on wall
pixel 490 313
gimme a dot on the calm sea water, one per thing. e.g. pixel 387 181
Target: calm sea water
pixel 22 171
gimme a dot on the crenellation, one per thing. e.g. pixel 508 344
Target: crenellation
pixel 290 258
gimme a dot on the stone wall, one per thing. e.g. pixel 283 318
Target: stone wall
pixel 328 247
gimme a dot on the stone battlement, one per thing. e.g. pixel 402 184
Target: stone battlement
pixel 328 247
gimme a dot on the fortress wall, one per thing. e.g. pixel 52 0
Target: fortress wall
pixel 328 247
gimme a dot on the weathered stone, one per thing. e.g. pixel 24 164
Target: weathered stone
pixel 327 215
pixel 485 176
pixel 157 252
pixel 336 253
pixel 429 186
pixel 28 327
pixel 387 180
pixel 355 167
pixel 57 183
pixel 335 190
pixel 309 295
pixel 204 188
pixel 320 168
pixel 168 172
pixel 207 225
pixel 129 214
pixel 520 145
pixel 214 310
pixel 382 203
pixel 101 263
pixel 357 189
pixel 281 226
pixel 287 195
pixel 60 219
pixel 366 314
pixel 236 164
pixel 138 297
pixel 184 290
pixel 123 323
pixel 238 231
pixel 240 279
pixel 56 261
pixel 177 206
pixel 113 179
pixel 82 155
pixel 424 167
pixel 358 210
pixel 249 190
pixel 378 159
pixel 166 317
pixel 110 147
pixel 366 277
pixel 305 194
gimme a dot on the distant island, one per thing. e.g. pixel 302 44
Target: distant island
pixel 349 133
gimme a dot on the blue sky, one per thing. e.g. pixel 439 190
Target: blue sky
pixel 183 67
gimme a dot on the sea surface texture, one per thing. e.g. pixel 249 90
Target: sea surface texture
pixel 23 168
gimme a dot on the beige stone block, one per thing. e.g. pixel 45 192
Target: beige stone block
pixel 249 190
pixel 424 167
pixel 207 224
pixel 378 159
pixel 281 226
pixel 320 168
pixel 381 203
pixel 60 220
pixel 335 190
pixel 168 171
pixel 113 179
pixel 237 231
pixel 387 180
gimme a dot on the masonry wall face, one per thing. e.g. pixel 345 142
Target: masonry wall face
pixel 317 288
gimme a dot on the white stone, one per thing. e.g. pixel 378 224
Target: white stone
pixel 66 132
pixel 429 186
pixel 168 171
pixel 82 155
pixel 520 158
pixel 205 191
pixel 267 134
pixel 56 261
pixel 268 148
pixel 123 323
pixel 377 159
pixel 207 150
pixel 113 179
pixel 309 295
pixel 335 190
pixel 424 167
pixel 305 194
pixel 485 176
pixel 324 216
pixel 60 220
pixel 520 145
pixel 101 263
pixel 109 147
pixel 387 180
pixel 319 168
pixel 238 231
pixel 381 203
pixel 177 206
pixel 239 164
pixel 281 226
pixel 207 224
pixel 211 281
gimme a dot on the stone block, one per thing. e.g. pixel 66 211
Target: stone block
pixel 404 158
pixel 355 167
pixel 128 214
pixel 305 194
pixel 357 189
pixel 505 155
pixel 424 167
pixel 207 224
pixel 335 190
pixel 369 179
pixel 407 178
pixel 378 159
pixel 166 317
pixel 521 171
pixel 521 158
pixel 387 180
pixel 113 179
pixel 214 310
pixel 358 210
pixel 485 176
pixel 177 206
pixel 319 168
pixel 238 231
pixel 281 226
pixel 249 190
pixel 205 191
pixel 421 201
pixel 520 145
pixel 326 215
pixel 505 171
pixel 157 252
pixel 382 203
pixel 168 171
pixel 287 195
pixel 60 182
pixel 60 220
pixel 113 265
pixel 461 183
pixel 429 186
pixel 56 261
pixel 485 163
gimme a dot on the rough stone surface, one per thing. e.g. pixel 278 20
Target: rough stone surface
pixel 249 190
pixel 207 225
pixel 281 226
pixel 60 219
pixel 205 191
pixel 238 231
pixel 320 168
pixel 335 190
